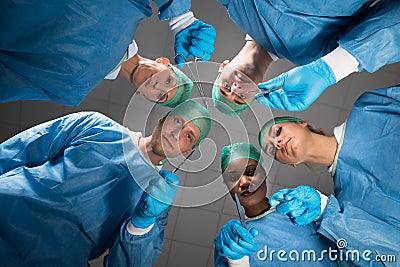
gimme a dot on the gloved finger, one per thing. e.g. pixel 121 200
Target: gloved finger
pixel 231 254
pixel 170 177
pixel 275 98
pixel 290 206
pixel 203 45
pixel 264 100
pixel 279 197
pixel 288 104
pixel 205 33
pixel 253 231
pixel 273 83
pixel 241 246
pixel 306 218
pixel 181 55
pixel 198 53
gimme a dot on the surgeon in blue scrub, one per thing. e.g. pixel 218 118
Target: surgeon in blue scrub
pixel 266 230
pixel 77 186
pixel 327 39
pixel 60 50
pixel 362 157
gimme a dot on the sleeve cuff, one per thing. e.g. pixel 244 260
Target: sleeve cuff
pixel 138 231
pixel 180 22
pixel 242 262
pixel 324 202
pixel 341 62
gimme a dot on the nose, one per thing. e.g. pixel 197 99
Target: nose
pixel 175 133
pixel 235 87
pixel 244 181
pixel 278 142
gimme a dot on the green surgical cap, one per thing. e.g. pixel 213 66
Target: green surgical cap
pixel 196 113
pixel 224 105
pixel 239 151
pixel 271 123
pixel 185 86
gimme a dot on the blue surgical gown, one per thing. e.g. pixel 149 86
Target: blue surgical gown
pixel 277 232
pixel 67 189
pixel 365 210
pixel 59 50
pixel 307 30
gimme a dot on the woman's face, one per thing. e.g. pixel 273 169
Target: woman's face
pixel 288 142
pixel 240 176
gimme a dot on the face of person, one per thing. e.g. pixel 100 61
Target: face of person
pixel 155 80
pixel 243 174
pixel 235 86
pixel 287 141
pixel 174 135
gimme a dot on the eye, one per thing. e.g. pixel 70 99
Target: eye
pixel 226 85
pixel 242 96
pixel 278 131
pixel 234 178
pixel 168 81
pixel 177 121
pixel 189 137
pixel 250 172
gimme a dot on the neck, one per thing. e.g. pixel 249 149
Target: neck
pixel 257 209
pixel 147 150
pixel 128 67
pixel 323 150
pixel 255 58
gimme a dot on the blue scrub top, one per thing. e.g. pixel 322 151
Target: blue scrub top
pixel 365 210
pixel 306 31
pixel 60 50
pixel 276 232
pixel 66 195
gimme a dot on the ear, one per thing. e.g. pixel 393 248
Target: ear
pixel 223 65
pixel 187 152
pixel 163 60
pixel 303 123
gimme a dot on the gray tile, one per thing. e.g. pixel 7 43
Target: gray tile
pixel 302 175
pixel 35 112
pixel 229 206
pixel 101 91
pixel 196 226
pixel 116 112
pixel 278 67
pixel 8 130
pixel 321 116
pixel 10 112
pixel 121 91
pixel 183 254
pixel 165 253
pixel 325 184
pixel 172 217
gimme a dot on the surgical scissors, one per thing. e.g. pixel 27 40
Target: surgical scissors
pixel 197 78
pixel 240 209
pixel 180 164
pixel 264 92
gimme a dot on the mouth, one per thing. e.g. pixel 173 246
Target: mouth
pixel 168 142
pixel 247 193
pixel 286 145
pixel 148 81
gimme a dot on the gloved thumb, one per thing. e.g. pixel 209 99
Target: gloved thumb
pixel 279 197
pixel 273 83
pixel 170 177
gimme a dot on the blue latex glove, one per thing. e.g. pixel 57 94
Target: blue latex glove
pixel 234 241
pixel 196 40
pixel 301 204
pixel 301 86
pixel 149 207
